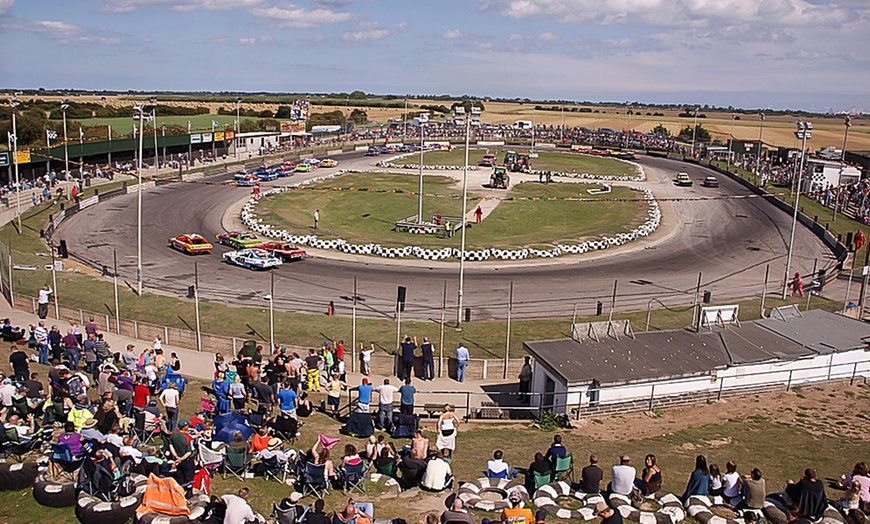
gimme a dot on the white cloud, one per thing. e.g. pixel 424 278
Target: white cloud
pixel 547 36
pixel 333 3
pixel 366 33
pixel 5 5
pixel 451 34
pixel 295 17
pixel 675 12
pixel 64 32
pixel 126 6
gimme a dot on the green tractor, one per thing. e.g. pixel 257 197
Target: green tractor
pixel 499 178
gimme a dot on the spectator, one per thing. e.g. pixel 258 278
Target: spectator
pixel 699 480
pixel 717 485
pixel 437 473
pixel 516 513
pixel 20 363
pixel 316 515
pixel 169 398
pixel 462 357
pixel 733 483
pixel 239 512
pixel 364 396
pixel 385 393
pixel 407 392
pixel 181 449
pixel 419 446
pixel 754 490
pixel 607 514
pixel 448 424
pixel 556 450
pixel 71 438
pixel 622 477
pixel 809 495
pixel 498 468
pixel 456 513
pixel 650 481
pixel 408 347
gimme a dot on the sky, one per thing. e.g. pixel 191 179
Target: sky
pixel 779 54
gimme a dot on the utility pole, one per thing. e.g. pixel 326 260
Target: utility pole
pixel 804 132
pixel 847 122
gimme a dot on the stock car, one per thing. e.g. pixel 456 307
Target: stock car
pixel 191 243
pixel 239 239
pixel 240 175
pixel 252 258
pixel 328 162
pixel 284 250
pixel 248 180
pixel 283 170
pixel 302 168
pixel 683 179
pixel 710 181
pixel 266 174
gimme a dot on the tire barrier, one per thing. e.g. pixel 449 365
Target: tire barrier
pixel 391 164
pixel 91 510
pixel 255 224
pixel 699 508
pixel 15 476
pixel 545 499
pixel 196 503
pixel 472 493
pixel 54 494
pixel 671 511
pixel 389 482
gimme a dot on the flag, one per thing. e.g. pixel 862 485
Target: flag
pixel 50 134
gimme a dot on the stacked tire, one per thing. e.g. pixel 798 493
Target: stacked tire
pixel 53 493
pixel 15 476
pixel 92 510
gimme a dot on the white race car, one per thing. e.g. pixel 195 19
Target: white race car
pixel 252 258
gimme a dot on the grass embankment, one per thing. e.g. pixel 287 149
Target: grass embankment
pixel 563 162
pixel 368 216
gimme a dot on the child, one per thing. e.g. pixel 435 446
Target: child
pixel 851 498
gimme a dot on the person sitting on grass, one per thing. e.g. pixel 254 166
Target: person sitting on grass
pixel 498 468
pixel 437 474
pixel 517 513
pixel 456 513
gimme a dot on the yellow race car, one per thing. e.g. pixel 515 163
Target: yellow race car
pixel 191 243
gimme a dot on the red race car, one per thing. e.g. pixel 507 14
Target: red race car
pixel 284 250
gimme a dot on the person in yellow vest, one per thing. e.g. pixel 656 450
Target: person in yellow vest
pixel 78 411
pixel 517 513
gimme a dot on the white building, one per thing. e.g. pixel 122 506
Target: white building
pixel 822 173
pixel 664 368
pixel 254 142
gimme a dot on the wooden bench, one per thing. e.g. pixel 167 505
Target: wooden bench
pixel 433 409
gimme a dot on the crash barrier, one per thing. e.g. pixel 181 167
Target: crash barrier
pixel 255 224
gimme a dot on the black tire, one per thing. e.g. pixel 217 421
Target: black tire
pixel 91 510
pixel 15 476
pixel 53 494
pixel 197 505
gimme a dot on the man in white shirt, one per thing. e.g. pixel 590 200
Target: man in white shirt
pixel 169 398
pixel 497 467
pixel 238 510
pixel 41 336
pixel 462 357
pixel 622 477
pixel 42 301
pixel 385 405
pixel 437 473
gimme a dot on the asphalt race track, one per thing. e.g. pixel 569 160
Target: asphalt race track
pixel 730 241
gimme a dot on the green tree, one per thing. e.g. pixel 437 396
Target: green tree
pixel 661 130
pixel 358 95
pixel 701 134
pixel 358 116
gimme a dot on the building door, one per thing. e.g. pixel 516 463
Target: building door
pixel 549 390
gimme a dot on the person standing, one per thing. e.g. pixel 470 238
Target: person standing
pixel 408 347
pixel 169 399
pixel 428 359
pixel 448 423
pixel 316 218
pixel 20 363
pixel 366 357
pixel 385 405
pixel 40 334
pixel 42 301
pixel 525 377
pixel 71 348
pixel 478 214
pixel 312 363
pixel 462 357
pixel 407 392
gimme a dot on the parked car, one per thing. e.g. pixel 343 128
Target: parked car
pixel 252 258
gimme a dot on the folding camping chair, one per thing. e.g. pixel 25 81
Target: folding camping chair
pixel 96 479
pixel 273 469
pixel 314 480
pixel 563 468
pixel 285 428
pixel 285 512
pixel 353 477
pixel 237 462
pixel 404 426
pixel 389 469
pixel 145 430
pixel 207 407
pixel 19 449
pixel 62 464
pixel 208 458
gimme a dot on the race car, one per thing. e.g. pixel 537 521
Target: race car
pixel 302 168
pixel 683 179
pixel 248 180
pixel 252 259
pixel 328 162
pixel 266 174
pixel 283 170
pixel 191 243
pixel 313 162
pixel 283 250
pixel 710 181
pixel 240 175
pixel 239 239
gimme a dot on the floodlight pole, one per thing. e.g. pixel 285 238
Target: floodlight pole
pixel 154 125
pixel 14 104
pixel 189 147
pixel 196 306
pixel 694 131
pixel 731 141
pixel 63 107
pixel 847 123
pixel 141 109
pixel 804 132
pixel 758 155
pixel 238 128
pixel 464 223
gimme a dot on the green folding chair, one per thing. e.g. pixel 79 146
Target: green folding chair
pixel 540 479
pixel 564 468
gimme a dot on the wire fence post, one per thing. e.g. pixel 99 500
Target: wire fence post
pixel 652 397
pixel 854 371
pixel 468 404
pixel 788 384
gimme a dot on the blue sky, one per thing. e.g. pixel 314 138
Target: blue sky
pixel 808 54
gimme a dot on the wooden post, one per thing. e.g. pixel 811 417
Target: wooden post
pixel 507 344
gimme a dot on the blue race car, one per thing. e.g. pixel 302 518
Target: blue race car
pixel 252 259
pixel 266 174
